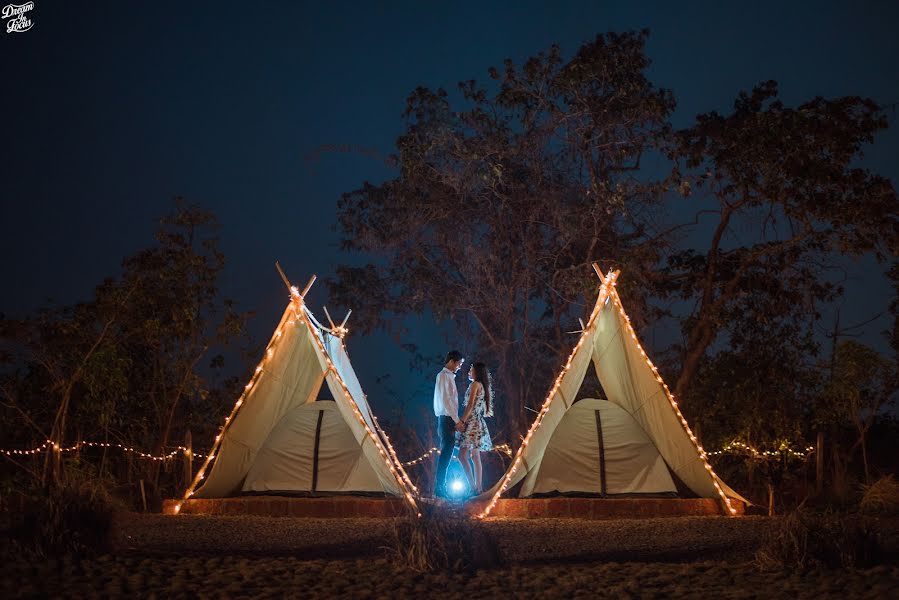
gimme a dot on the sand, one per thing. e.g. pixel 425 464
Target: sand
pixel 258 557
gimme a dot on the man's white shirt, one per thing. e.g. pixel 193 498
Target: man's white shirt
pixel 446 398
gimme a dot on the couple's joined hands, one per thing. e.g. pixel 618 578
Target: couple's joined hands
pixel 460 426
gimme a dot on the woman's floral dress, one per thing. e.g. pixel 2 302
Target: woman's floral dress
pixel 475 434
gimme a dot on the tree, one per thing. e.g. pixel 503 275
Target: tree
pixel 758 388
pixel 861 386
pixel 126 364
pixel 501 205
pixel 786 196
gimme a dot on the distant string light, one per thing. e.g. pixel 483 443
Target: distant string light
pixel 502 448
pixel 734 447
pixel 49 444
pixel 784 449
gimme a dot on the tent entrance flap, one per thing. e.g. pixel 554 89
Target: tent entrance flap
pixel 318 438
pixel 602 453
pixel 312 450
pixel 597 448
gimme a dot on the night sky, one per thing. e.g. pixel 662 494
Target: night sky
pixel 265 112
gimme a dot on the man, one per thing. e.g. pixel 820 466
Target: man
pixel 446 409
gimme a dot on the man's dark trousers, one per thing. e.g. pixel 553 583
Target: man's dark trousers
pixel 446 429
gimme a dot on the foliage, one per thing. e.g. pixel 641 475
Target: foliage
pixel 442 539
pixel 861 384
pixel 881 497
pixel 130 363
pixel 804 539
pixel 787 197
pixel 760 387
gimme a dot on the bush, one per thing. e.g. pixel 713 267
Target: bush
pixel 69 518
pixel 442 539
pixel 804 539
pixel 881 498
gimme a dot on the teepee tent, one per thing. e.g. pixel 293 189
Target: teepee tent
pixel 627 444
pixel 280 437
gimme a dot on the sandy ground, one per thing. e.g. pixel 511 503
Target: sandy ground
pixel 258 557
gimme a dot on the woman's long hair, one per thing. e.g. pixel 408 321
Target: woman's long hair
pixel 482 376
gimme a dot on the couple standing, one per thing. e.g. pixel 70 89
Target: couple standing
pixel 469 431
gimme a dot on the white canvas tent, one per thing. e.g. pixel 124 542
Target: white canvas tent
pixel 280 437
pixel 648 436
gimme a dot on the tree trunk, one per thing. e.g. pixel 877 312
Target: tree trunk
pixel 770 499
pixel 865 457
pixel 819 463
pixel 188 459
pixel 513 406
pixel 694 355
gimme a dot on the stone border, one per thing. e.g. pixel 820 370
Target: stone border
pixel 279 506
pixel 608 508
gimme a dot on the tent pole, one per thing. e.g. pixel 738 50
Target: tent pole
pixel 330 320
pixel 283 276
pixel 308 285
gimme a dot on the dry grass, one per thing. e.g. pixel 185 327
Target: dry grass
pixel 807 540
pixel 441 539
pixel 881 498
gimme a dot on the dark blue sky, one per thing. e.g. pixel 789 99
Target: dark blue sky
pixel 110 109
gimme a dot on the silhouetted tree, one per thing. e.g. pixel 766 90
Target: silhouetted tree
pixel 782 193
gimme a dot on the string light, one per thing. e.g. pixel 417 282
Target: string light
pixel 784 449
pixel 502 448
pixel 733 447
pixel 269 353
pixel 122 447
pixel 702 454
pixel 403 478
pixel 519 456
pixel 606 291
pixel 299 313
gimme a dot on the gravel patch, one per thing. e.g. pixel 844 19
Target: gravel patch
pixel 193 556
pixel 284 577
pixel 153 534
pixel 683 539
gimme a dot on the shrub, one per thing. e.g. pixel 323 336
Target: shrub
pixel 442 539
pixel 69 518
pixel 803 539
pixel 881 497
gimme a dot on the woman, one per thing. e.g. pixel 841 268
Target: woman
pixel 472 433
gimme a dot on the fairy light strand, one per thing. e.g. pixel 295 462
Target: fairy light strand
pixel 607 290
pixel 502 448
pixel 299 314
pixel 401 478
pixel 716 481
pixel 268 355
pixel 733 448
pixel 79 445
pixel 519 456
